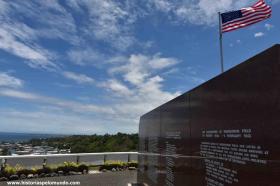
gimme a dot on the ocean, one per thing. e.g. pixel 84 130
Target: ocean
pixel 21 137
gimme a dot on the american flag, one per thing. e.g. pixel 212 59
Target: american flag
pixel 244 17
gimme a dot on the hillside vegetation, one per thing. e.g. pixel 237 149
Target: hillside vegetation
pixel 119 142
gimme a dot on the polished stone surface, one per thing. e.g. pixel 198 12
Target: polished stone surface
pixel 224 132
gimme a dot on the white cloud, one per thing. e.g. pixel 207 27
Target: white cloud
pixel 143 93
pixel 52 122
pixel 55 22
pixel 22 39
pixel 110 21
pixel 121 113
pixel 200 12
pixel 145 87
pixel 139 67
pixel 3 7
pixel 19 94
pixel 79 78
pixel 146 92
pixel 259 34
pixel 61 122
pixel 7 80
pixel 135 70
pixel 117 59
pixel 117 87
pixel 87 56
pixel 137 91
pixel 171 71
pixel 268 26
pixel 145 98
pixel 158 62
pixel 65 104
pixel 163 5
pixel 137 80
pixel 34 55
pixel 74 117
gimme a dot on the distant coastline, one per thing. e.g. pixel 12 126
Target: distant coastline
pixel 23 137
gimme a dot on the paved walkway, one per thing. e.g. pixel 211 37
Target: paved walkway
pixel 121 178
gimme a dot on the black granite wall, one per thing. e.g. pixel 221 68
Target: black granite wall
pixel 224 132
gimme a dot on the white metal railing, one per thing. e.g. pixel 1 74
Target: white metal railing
pixel 88 158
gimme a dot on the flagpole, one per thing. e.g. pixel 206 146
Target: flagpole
pixel 221 43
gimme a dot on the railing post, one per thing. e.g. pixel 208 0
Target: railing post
pixel 78 160
pixel 105 158
pixel 128 158
pixel 3 163
pixel 44 162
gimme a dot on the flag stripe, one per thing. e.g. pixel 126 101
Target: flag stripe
pixel 243 25
pixel 258 3
pixel 250 9
pixel 248 19
pixel 250 15
pixel 245 12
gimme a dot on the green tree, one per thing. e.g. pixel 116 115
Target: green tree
pixel 5 151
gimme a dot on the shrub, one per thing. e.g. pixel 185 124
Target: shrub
pixel 45 170
pixel 67 167
pixel 71 166
pixel 19 170
pixel 132 164
pixel 18 167
pixel 8 171
pixel 109 165
pixel 35 170
pixel 83 167
pixel 26 172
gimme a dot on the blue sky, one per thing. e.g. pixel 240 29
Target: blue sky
pixel 95 66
